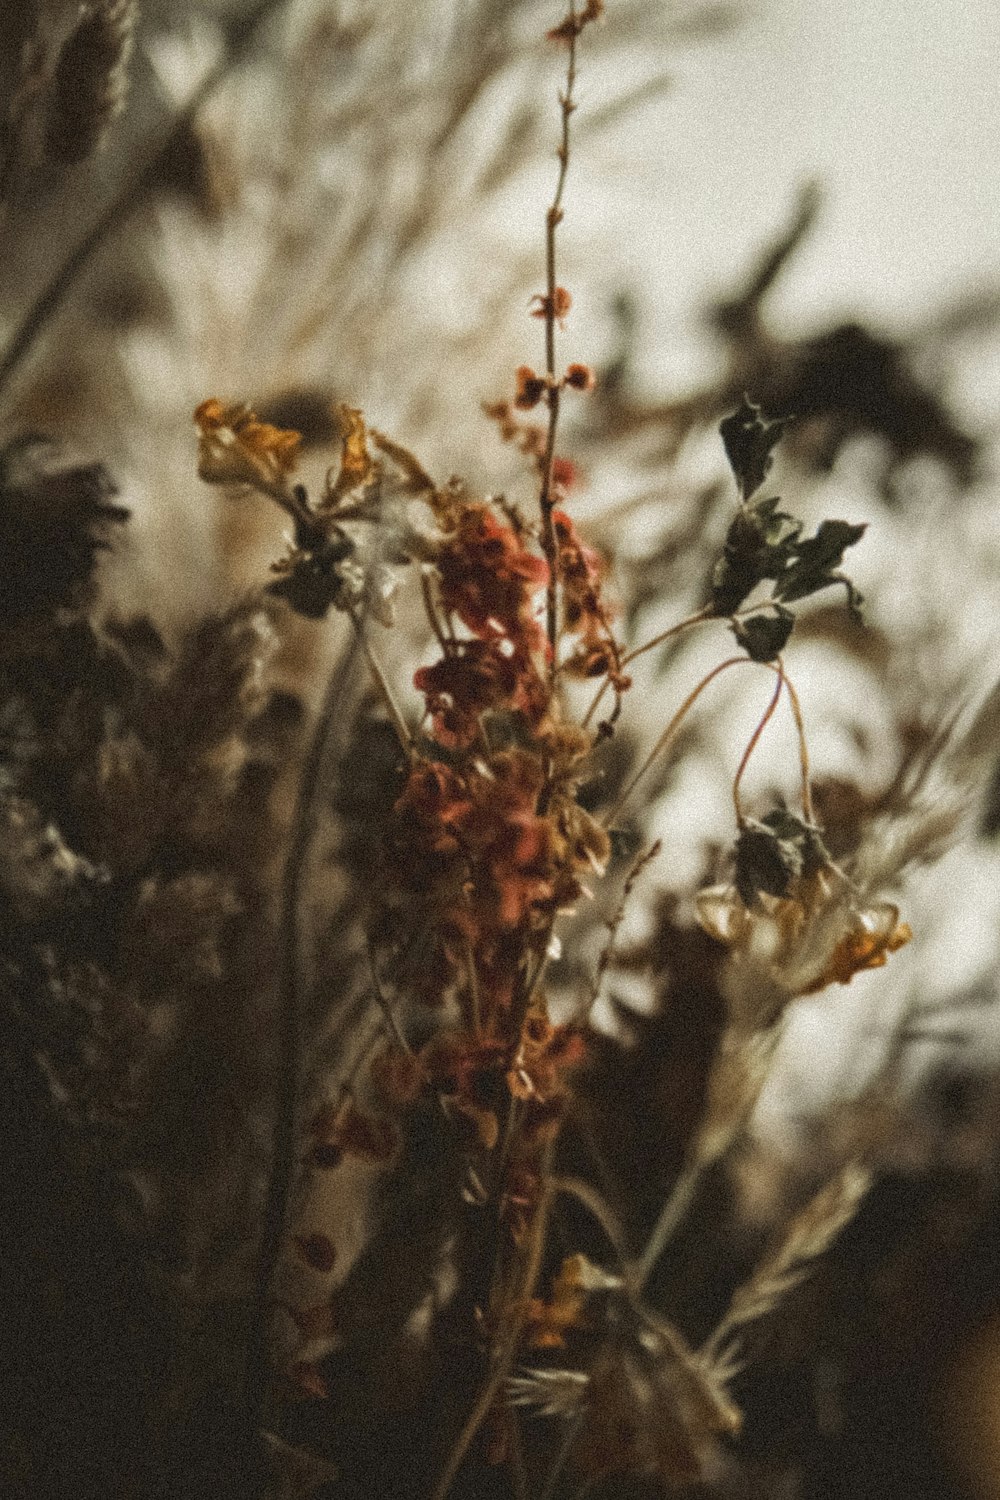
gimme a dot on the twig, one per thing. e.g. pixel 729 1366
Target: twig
pixel 381 683
pixel 697 618
pixel 503 1359
pixel 630 656
pixel 553 218
pixel 130 195
pixel 645 857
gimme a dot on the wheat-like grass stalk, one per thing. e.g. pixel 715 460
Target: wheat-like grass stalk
pixel 810 1234
pixel 90 81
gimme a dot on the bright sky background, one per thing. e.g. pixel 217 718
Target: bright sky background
pixel 893 104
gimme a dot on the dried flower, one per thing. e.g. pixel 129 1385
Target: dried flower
pixel 530 388
pixel 814 936
pixel 234 448
pixel 90 82
pixel 489 578
pixel 550 1393
pixel 556 306
pixel 580 377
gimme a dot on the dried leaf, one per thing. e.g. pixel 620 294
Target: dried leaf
pixel 749 442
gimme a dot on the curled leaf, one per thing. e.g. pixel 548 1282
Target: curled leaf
pixel 749 442
pixel 764 636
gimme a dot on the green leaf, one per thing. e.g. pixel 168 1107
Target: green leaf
pixel 764 863
pixel 756 548
pixel 749 441
pixel 774 852
pixel 812 563
pixel 764 636
pixel 312 581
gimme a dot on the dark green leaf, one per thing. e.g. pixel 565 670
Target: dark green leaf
pixel 756 548
pixel 749 441
pixel 764 636
pixel 772 853
pixel 812 563
pixel 311 581
pixel 764 863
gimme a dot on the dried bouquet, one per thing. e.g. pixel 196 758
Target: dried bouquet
pixel 339 1160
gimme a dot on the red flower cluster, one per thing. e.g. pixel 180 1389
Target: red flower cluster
pixel 555 306
pixel 489 580
pixel 486 819
pixel 585 615
pixel 472 677
pixel 490 868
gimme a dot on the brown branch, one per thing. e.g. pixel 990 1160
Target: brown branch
pixel 553 387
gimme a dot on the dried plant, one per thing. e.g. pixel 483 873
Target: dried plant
pixel 383 1054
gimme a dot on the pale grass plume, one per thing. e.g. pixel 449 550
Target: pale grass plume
pixel 809 1235
pixel 89 86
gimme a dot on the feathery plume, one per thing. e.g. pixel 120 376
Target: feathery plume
pixel 90 81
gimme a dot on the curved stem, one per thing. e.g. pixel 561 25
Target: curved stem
pixel 657 640
pixel 807 802
pixel 670 733
pixel 751 747
pixel 697 618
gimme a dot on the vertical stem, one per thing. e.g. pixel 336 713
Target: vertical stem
pixel 503 1359
pixel 291 984
pixel 552 220
pixel 381 682
pixel 807 802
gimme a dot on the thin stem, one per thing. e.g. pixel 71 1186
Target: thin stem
pixel 130 195
pixel 381 682
pixel 519 1470
pixel 553 218
pixel 615 921
pixel 503 1360
pixel 670 733
pixel 751 747
pixel 630 656
pixel 562 1456
pixel 671 1215
pixel 807 802
pixel 290 993
pixel 477 1015
pixel 430 608
pixel 591 1200
pixel 697 618
pixel 384 1006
